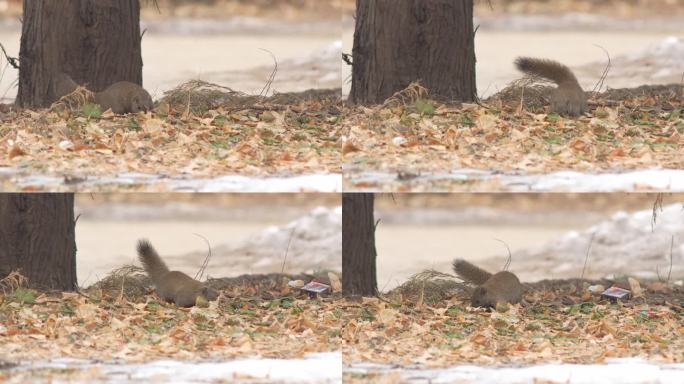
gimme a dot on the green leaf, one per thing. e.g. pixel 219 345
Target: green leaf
pixel 91 110
pixel 425 107
pixel 24 295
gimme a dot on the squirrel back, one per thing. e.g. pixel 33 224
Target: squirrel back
pixel 125 97
pixel 172 286
pixel 568 98
pixel 491 289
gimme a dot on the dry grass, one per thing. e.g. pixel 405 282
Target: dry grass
pixel 429 286
pixel 12 282
pixel 128 281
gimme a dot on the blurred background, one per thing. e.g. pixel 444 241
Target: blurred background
pixel 248 233
pixel 228 42
pixel 548 234
pixel 643 38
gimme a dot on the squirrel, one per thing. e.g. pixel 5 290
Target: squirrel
pixel 491 289
pixel 121 97
pixel 125 97
pixel 61 85
pixel 568 98
pixel 172 286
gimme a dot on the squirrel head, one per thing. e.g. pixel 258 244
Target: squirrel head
pixel 141 103
pixel 209 293
pixel 482 298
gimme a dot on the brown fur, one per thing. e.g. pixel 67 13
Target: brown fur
pixel 121 97
pixel 124 97
pixel 61 85
pixel 568 98
pixel 502 286
pixel 172 286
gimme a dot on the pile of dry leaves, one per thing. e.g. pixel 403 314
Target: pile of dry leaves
pixel 105 325
pixel 245 135
pixel 625 129
pixel 560 321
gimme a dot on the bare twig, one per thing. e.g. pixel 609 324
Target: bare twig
pixel 669 272
pixel 586 258
pixel 282 270
pixel 510 257
pixel 271 77
pixel 12 282
pixel 657 206
pixel 200 273
pixel 599 83
pixel 13 61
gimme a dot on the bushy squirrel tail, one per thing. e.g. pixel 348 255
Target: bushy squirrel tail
pixel 153 264
pixel 470 272
pixel 548 69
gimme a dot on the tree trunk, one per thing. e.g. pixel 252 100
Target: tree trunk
pixel 358 245
pixel 37 237
pixel 96 42
pixel 397 42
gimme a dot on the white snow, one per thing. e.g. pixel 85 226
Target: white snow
pixel 317 182
pixel 315 244
pixel 649 180
pixel 626 243
pixel 618 371
pixel 314 368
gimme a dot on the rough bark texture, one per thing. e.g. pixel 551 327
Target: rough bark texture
pixel 358 245
pixel 96 42
pixel 397 42
pixel 37 236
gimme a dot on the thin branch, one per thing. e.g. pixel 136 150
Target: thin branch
pixel 599 83
pixel 510 257
pixel 13 61
pixel 282 270
pixel 586 257
pixel 271 77
pixel 657 206
pixel 669 273
pixel 200 273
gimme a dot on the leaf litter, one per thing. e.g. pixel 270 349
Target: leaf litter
pixel 119 319
pixel 198 130
pixel 561 321
pixel 410 134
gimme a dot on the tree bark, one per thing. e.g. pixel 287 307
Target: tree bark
pixel 397 42
pixel 358 245
pixel 96 42
pixel 37 237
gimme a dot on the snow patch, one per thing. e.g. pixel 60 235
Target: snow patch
pixel 626 243
pixel 618 371
pixel 314 240
pixel 314 368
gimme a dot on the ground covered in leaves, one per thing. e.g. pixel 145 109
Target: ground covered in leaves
pixel 254 317
pixel 411 135
pixel 558 322
pixel 198 130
